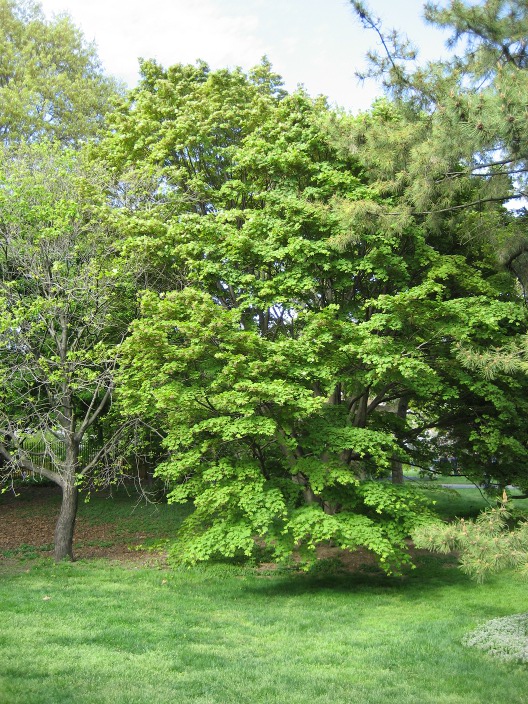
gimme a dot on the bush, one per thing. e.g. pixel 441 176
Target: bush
pixel 495 541
pixel 505 638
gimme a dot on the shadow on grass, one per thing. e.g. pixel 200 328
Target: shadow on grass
pixel 157 521
pixel 432 572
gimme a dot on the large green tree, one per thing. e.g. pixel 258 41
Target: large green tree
pixel 59 305
pixel 51 81
pixel 458 152
pixel 461 144
pixel 291 364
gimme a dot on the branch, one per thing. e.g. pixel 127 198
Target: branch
pixel 498 199
pixel 471 170
pixel 380 398
pixel 369 22
pixel 113 441
pixel 521 248
pixel 351 401
pixel 89 420
pixel 28 466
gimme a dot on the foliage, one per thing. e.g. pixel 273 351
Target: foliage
pixel 298 322
pixel 55 301
pixel 471 102
pixel 503 638
pixel 62 312
pixel 461 145
pixel 51 81
pixel 451 148
pixel 487 545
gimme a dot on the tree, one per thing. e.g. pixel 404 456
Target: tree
pixel 304 317
pixel 62 313
pixel 474 90
pixel 461 145
pixel 458 153
pixel 51 81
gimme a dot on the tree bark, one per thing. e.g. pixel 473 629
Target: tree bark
pixel 397 467
pixel 397 472
pixel 65 525
pixel 308 493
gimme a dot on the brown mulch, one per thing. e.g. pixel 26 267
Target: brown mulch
pixel 28 519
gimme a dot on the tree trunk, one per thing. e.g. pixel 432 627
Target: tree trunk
pixel 66 523
pixel 397 472
pixel 397 467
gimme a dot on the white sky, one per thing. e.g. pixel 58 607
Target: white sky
pixel 317 43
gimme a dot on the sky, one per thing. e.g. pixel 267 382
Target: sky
pixel 316 43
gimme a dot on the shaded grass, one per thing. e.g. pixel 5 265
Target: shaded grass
pixel 132 515
pixel 465 503
pixel 122 519
pixel 460 503
pixel 97 508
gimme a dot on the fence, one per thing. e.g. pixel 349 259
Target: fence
pixel 49 453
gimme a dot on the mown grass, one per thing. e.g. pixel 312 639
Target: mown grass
pixel 465 503
pixel 460 503
pixel 100 632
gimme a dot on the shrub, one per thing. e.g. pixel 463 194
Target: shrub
pixel 490 544
pixel 505 638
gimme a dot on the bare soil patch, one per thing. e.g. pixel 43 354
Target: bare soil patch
pixel 27 523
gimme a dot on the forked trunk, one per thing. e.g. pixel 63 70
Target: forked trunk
pixel 66 523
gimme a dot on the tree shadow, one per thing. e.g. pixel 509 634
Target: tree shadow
pixel 432 572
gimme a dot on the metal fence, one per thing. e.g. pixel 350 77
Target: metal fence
pixel 49 453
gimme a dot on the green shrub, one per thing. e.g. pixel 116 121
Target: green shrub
pixel 491 543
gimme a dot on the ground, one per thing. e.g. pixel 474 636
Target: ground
pixel 228 633
pixel 27 522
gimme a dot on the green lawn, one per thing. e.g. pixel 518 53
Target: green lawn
pixel 100 632
pixel 465 503
pixel 95 632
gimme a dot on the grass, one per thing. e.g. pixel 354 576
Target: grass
pixel 121 518
pixel 452 479
pixel 101 633
pixel 132 516
pixel 464 503
pixel 98 632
